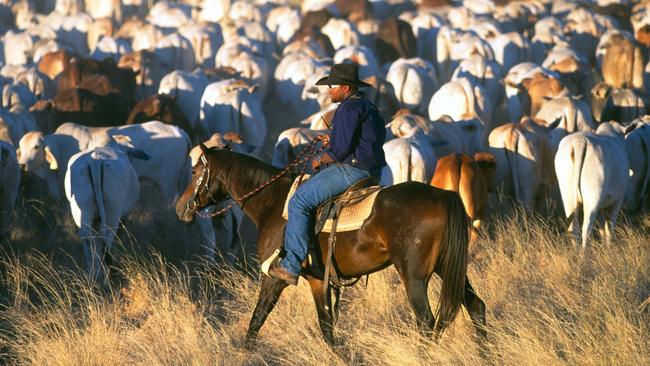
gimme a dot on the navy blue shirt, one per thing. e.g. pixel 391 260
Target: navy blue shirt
pixel 358 135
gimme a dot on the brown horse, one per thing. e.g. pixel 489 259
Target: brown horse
pixel 418 228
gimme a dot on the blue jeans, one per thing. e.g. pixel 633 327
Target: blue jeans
pixel 329 182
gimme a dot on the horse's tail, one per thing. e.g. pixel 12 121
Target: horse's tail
pixel 453 259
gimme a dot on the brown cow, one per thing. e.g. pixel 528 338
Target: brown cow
pixel 538 88
pixel 472 179
pixel 623 64
pixel 80 106
pixel 161 108
pixel 312 32
pixel 122 79
pixel 354 10
pixel 53 63
pixel 395 40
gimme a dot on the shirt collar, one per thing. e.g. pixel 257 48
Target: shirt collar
pixel 353 95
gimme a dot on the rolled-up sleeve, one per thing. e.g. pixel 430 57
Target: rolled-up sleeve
pixel 345 125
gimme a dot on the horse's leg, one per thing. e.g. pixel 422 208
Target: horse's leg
pixel 324 309
pixel 269 294
pixel 416 290
pixel 476 309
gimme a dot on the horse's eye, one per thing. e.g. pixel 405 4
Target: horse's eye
pixel 36 147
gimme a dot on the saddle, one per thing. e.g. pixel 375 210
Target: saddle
pixel 345 212
pixel 351 208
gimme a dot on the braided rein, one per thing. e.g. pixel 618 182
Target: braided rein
pixel 309 151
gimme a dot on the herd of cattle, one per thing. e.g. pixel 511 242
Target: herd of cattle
pixel 530 96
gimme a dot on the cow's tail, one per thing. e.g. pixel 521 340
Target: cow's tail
pixel 512 154
pixel 409 162
pixel 403 86
pixel 645 144
pixel 185 174
pixel 452 262
pixel 96 178
pixel 578 153
pixel 281 153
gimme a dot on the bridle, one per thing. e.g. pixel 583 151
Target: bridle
pixel 192 203
pixel 203 182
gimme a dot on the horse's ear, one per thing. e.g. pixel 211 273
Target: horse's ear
pixel 204 149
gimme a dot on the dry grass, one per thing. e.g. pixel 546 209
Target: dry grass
pixel 547 304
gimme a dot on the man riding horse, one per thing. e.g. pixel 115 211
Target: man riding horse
pixel 355 151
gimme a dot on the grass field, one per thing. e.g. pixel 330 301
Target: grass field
pixel 547 304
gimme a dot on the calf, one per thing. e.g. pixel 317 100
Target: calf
pixel 472 179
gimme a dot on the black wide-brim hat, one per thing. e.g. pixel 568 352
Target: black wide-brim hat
pixel 343 74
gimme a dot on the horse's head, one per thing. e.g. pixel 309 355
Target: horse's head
pixel 204 188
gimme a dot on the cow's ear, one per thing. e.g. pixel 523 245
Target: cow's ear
pixel 233 137
pixel 49 157
pixel 156 105
pixel 137 154
pixel 526 82
pixel 631 127
pixel 123 140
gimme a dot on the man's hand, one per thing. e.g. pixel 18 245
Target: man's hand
pixel 315 163
pixel 323 159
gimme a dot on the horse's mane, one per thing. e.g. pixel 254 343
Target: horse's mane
pixel 245 173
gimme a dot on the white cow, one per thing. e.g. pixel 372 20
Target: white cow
pixel 102 187
pixel 9 181
pixel 637 144
pixel 214 10
pixel 15 123
pixel 231 106
pixel 283 22
pixel 167 14
pixel 447 136
pixel 187 88
pixel 252 67
pixel 291 76
pixel 514 86
pixel 17 47
pixel 459 99
pixel 510 49
pixel 167 146
pixel 205 39
pixel 524 160
pixel 592 172
pixel 414 81
pixel 292 142
pixel 17 95
pixel 109 47
pixel 574 114
pixel 341 33
pixel 409 159
pixel 483 72
pixel 40 155
pixel 176 52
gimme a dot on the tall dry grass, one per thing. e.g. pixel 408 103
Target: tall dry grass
pixel 547 304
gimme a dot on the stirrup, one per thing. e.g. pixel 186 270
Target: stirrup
pixel 273 259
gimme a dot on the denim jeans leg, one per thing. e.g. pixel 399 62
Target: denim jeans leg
pixel 326 184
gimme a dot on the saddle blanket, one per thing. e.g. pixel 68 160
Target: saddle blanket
pixel 351 218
